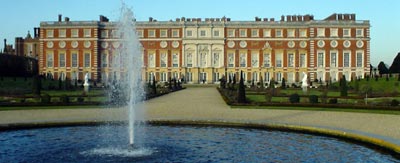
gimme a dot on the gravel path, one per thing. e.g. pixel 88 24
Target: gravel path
pixel 205 103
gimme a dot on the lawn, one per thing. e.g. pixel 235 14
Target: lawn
pixel 393 112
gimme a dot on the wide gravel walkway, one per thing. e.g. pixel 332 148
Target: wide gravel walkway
pixel 205 103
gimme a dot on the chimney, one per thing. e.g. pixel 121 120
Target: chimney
pixel 294 18
pixel 35 32
pixel 272 19
pixel 288 18
pixel 66 19
pixel 299 18
pixel 103 18
pixel 5 44
pixel 282 18
pixel 38 32
pixel 306 17
pixel 59 17
pixel 150 19
pixel 353 17
pixel 340 16
pixel 183 19
pixel 228 19
pixel 177 19
pixel 346 17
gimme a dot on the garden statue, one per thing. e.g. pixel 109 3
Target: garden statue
pixel 86 83
pixel 304 83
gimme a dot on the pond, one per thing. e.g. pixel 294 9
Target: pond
pixel 108 143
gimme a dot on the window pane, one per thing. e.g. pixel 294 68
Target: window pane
pixel 87 59
pixel 231 60
pixel 302 60
pixel 62 60
pixel 50 60
pixel 74 60
pixel 346 59
pixel 320 59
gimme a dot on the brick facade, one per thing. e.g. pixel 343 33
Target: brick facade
pixel 202 51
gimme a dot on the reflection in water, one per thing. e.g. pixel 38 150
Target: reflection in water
pixel 178 144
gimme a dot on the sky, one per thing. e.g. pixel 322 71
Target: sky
pixel 20 16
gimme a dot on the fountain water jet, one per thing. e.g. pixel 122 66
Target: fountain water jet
pixel 126 65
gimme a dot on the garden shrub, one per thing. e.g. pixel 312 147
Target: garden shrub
pixel 80 99
pixel 313 99
pixel 268 96
pixel 394 103
pixel 294 98
pixel 333 101
pixel 324 96
pixel 45 98
pixel 64 99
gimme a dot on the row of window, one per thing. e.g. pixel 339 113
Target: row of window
pixel 63 33
pixel 50 60
pixel 291 33
pixel 321 32
pixel 163 60
pixel 321 58
pixel 163 33
pixel 255 60
pixel 254 76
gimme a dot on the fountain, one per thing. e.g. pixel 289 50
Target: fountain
pixel 127 89
pixel 86 84
pixel 304 83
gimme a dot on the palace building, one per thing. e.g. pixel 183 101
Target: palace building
pixel 203 51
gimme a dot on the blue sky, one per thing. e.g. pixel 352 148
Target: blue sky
pixel 19 16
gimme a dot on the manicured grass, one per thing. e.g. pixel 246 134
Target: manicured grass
pixel 48 107
pixel 320 109
pixel 393 85
pixel 73 92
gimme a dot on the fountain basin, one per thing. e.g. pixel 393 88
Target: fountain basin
pixel 179 143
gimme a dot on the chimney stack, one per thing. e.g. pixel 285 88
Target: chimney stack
pixel 66 19
pixel 59 17
pixel 5 44
pixel 150 19
pixel 288 18
pixel 35 32
pixel 353 17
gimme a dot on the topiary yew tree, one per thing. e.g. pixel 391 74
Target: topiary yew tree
pixel 241 91
pixel 395 67
pixel 343 86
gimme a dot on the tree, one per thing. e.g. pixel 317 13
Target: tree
pixel 356 85
pixel 222 82
pixel 272 83
pixel 382 68
pixel 370 69
pixel 343 86
pixel 170 84
pixel 283 86
pixel 234 80
pixel 37 85
pixel 59 83
pixel 241 91
pixel 154 86
pixel 395 67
